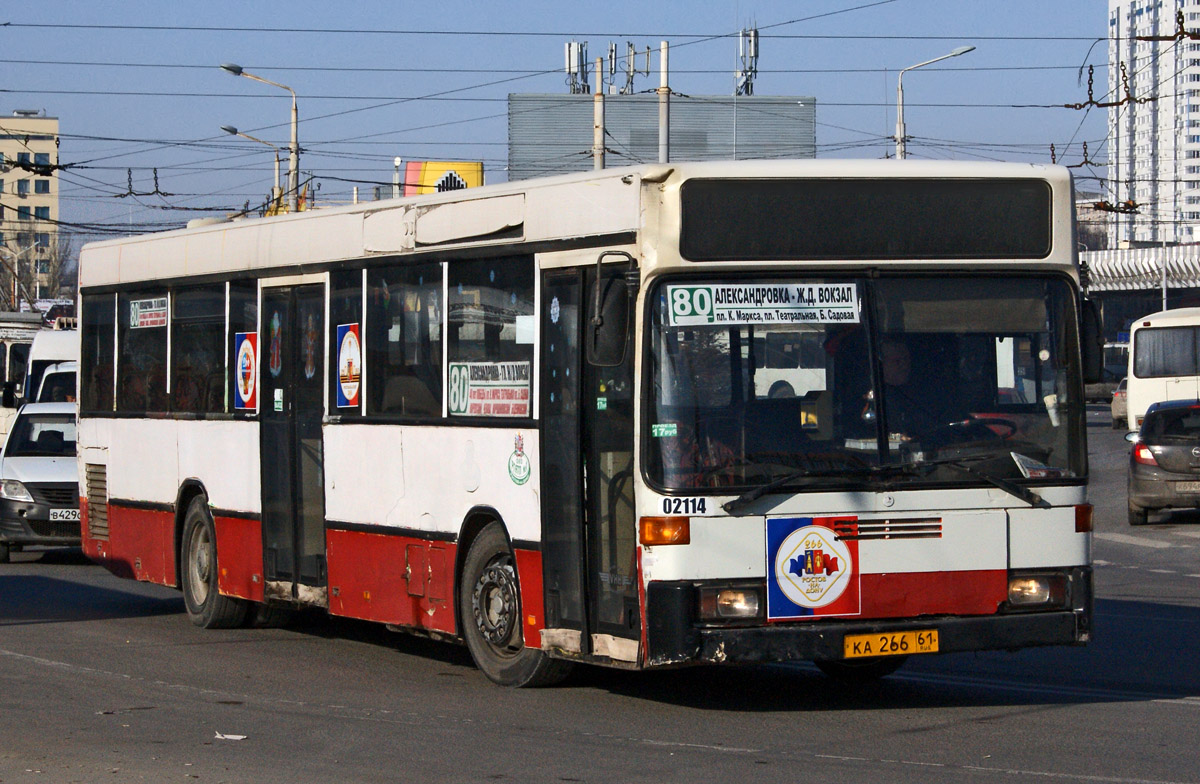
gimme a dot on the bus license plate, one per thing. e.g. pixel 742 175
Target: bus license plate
pixel 890 643
pixel 64 514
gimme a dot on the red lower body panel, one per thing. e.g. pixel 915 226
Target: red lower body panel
pixel 392 579
pixel 239 557
pixel 905 595
pixel 140 544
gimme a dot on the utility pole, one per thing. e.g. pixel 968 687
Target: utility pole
pixel 598 119
pixel 664 108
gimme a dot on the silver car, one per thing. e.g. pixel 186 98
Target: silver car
pixel 39 481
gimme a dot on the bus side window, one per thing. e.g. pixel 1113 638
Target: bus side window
pixel 404 340
pixel 490 337
pixel 142 347
pixel 96 352
pixel 197 335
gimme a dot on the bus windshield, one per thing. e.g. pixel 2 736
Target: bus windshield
pixel 831 380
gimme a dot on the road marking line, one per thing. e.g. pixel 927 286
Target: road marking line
pixel 1162 571
pixel 1191 702
pixel 1134 540
pixel 1192 534
pixel 1098 562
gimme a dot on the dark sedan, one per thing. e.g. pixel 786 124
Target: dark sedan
pixel 1164 465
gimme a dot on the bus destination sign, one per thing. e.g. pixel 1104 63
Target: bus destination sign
pixel 762 303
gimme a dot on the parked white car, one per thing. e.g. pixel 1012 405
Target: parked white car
pixel 39 480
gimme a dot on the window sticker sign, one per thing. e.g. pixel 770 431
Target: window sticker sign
pixel 146 313
pixel 762 303
pixel 245 370
pixel 498 389
pixel 349 365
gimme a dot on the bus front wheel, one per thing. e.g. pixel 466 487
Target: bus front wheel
pixel 206 607
pixel 490 608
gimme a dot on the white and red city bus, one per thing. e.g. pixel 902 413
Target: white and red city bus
pixel 526 416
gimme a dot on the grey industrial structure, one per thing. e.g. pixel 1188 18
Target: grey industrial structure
pixel 552 134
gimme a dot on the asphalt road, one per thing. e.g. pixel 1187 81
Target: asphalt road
pixel 104 680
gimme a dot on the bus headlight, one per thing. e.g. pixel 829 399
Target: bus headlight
pixel 14 491
pixel 1036 590
pixel 728 604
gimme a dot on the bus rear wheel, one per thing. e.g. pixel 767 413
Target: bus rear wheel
pixel 206 607
pixel 490 607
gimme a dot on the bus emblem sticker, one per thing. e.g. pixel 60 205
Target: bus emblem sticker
pixel 519 467
pixel 246 369
pixel 811 571
pixel 349 364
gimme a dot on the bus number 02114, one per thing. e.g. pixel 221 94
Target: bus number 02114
pixel 681 506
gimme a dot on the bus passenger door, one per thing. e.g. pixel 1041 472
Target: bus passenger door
pixel 291 407
pixel 588 526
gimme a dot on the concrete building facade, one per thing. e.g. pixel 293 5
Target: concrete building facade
pixel 29 191
pixel 1154 126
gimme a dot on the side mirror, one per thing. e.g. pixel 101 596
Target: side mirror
pixel 1131 437
pixel 8 398
pixel 610 306
pixel 1091 342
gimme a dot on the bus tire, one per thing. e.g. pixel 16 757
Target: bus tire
pixel 858 672
pixel 490 607
pixel 5 553
pixel 206 607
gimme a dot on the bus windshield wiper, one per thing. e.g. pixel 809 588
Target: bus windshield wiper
pixel 1012 488
pixel 755 493
pixel 891 469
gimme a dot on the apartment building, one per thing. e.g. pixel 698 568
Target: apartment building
pixel 29 188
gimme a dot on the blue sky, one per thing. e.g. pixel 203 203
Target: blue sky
pixel 432 81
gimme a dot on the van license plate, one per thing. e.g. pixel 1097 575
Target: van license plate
pixel 64 514
pixel 856 646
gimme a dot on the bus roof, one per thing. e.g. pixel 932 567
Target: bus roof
pixel 1167 318
pixel 598 204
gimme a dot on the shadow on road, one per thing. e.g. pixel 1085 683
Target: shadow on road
pixel 33 598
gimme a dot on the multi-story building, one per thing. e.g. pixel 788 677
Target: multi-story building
pixel 28 202
pixel 1154 126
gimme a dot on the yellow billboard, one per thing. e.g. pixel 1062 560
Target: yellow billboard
pixel 437 176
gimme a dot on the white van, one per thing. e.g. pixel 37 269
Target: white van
pixel 17 331
pixel 50 347
pixel 1164 361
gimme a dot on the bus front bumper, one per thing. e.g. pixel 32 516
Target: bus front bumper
pixel 673 637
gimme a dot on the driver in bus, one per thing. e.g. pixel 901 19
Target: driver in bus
pixel 909 406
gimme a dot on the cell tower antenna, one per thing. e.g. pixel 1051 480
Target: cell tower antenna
pixel 748 57
pixel 577 68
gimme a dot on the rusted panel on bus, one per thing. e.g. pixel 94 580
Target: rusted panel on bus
pixel 143 539
pixel 417 559
pixel 372 576
pixel 240 557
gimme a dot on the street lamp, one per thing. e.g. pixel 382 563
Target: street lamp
pixel 900 148
pixel 275 193
pixel 294 150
